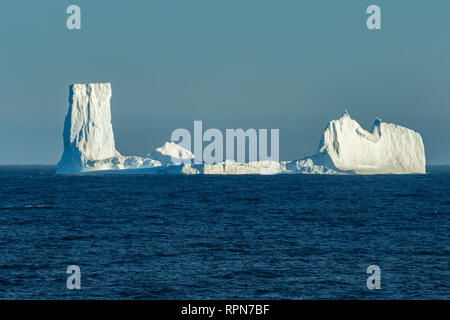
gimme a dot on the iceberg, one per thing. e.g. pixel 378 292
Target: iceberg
pixel 171 154
pixel 88 136
pixel 345 147
pixel 387 148
pixel 88 133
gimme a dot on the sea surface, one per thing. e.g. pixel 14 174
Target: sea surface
pixel 223 237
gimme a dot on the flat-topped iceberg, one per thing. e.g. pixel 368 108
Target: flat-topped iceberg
pixel 345 147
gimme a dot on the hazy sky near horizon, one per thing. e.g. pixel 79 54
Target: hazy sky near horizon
pixel 293 65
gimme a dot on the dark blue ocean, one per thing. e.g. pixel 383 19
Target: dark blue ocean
pixel 223 237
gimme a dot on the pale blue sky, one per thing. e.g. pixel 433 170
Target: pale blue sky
pixel 292 65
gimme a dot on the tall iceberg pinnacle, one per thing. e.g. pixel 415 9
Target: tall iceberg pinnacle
pixel 345 147
pixel 88 134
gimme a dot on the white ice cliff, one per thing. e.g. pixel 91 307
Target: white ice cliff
pixel 345 147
